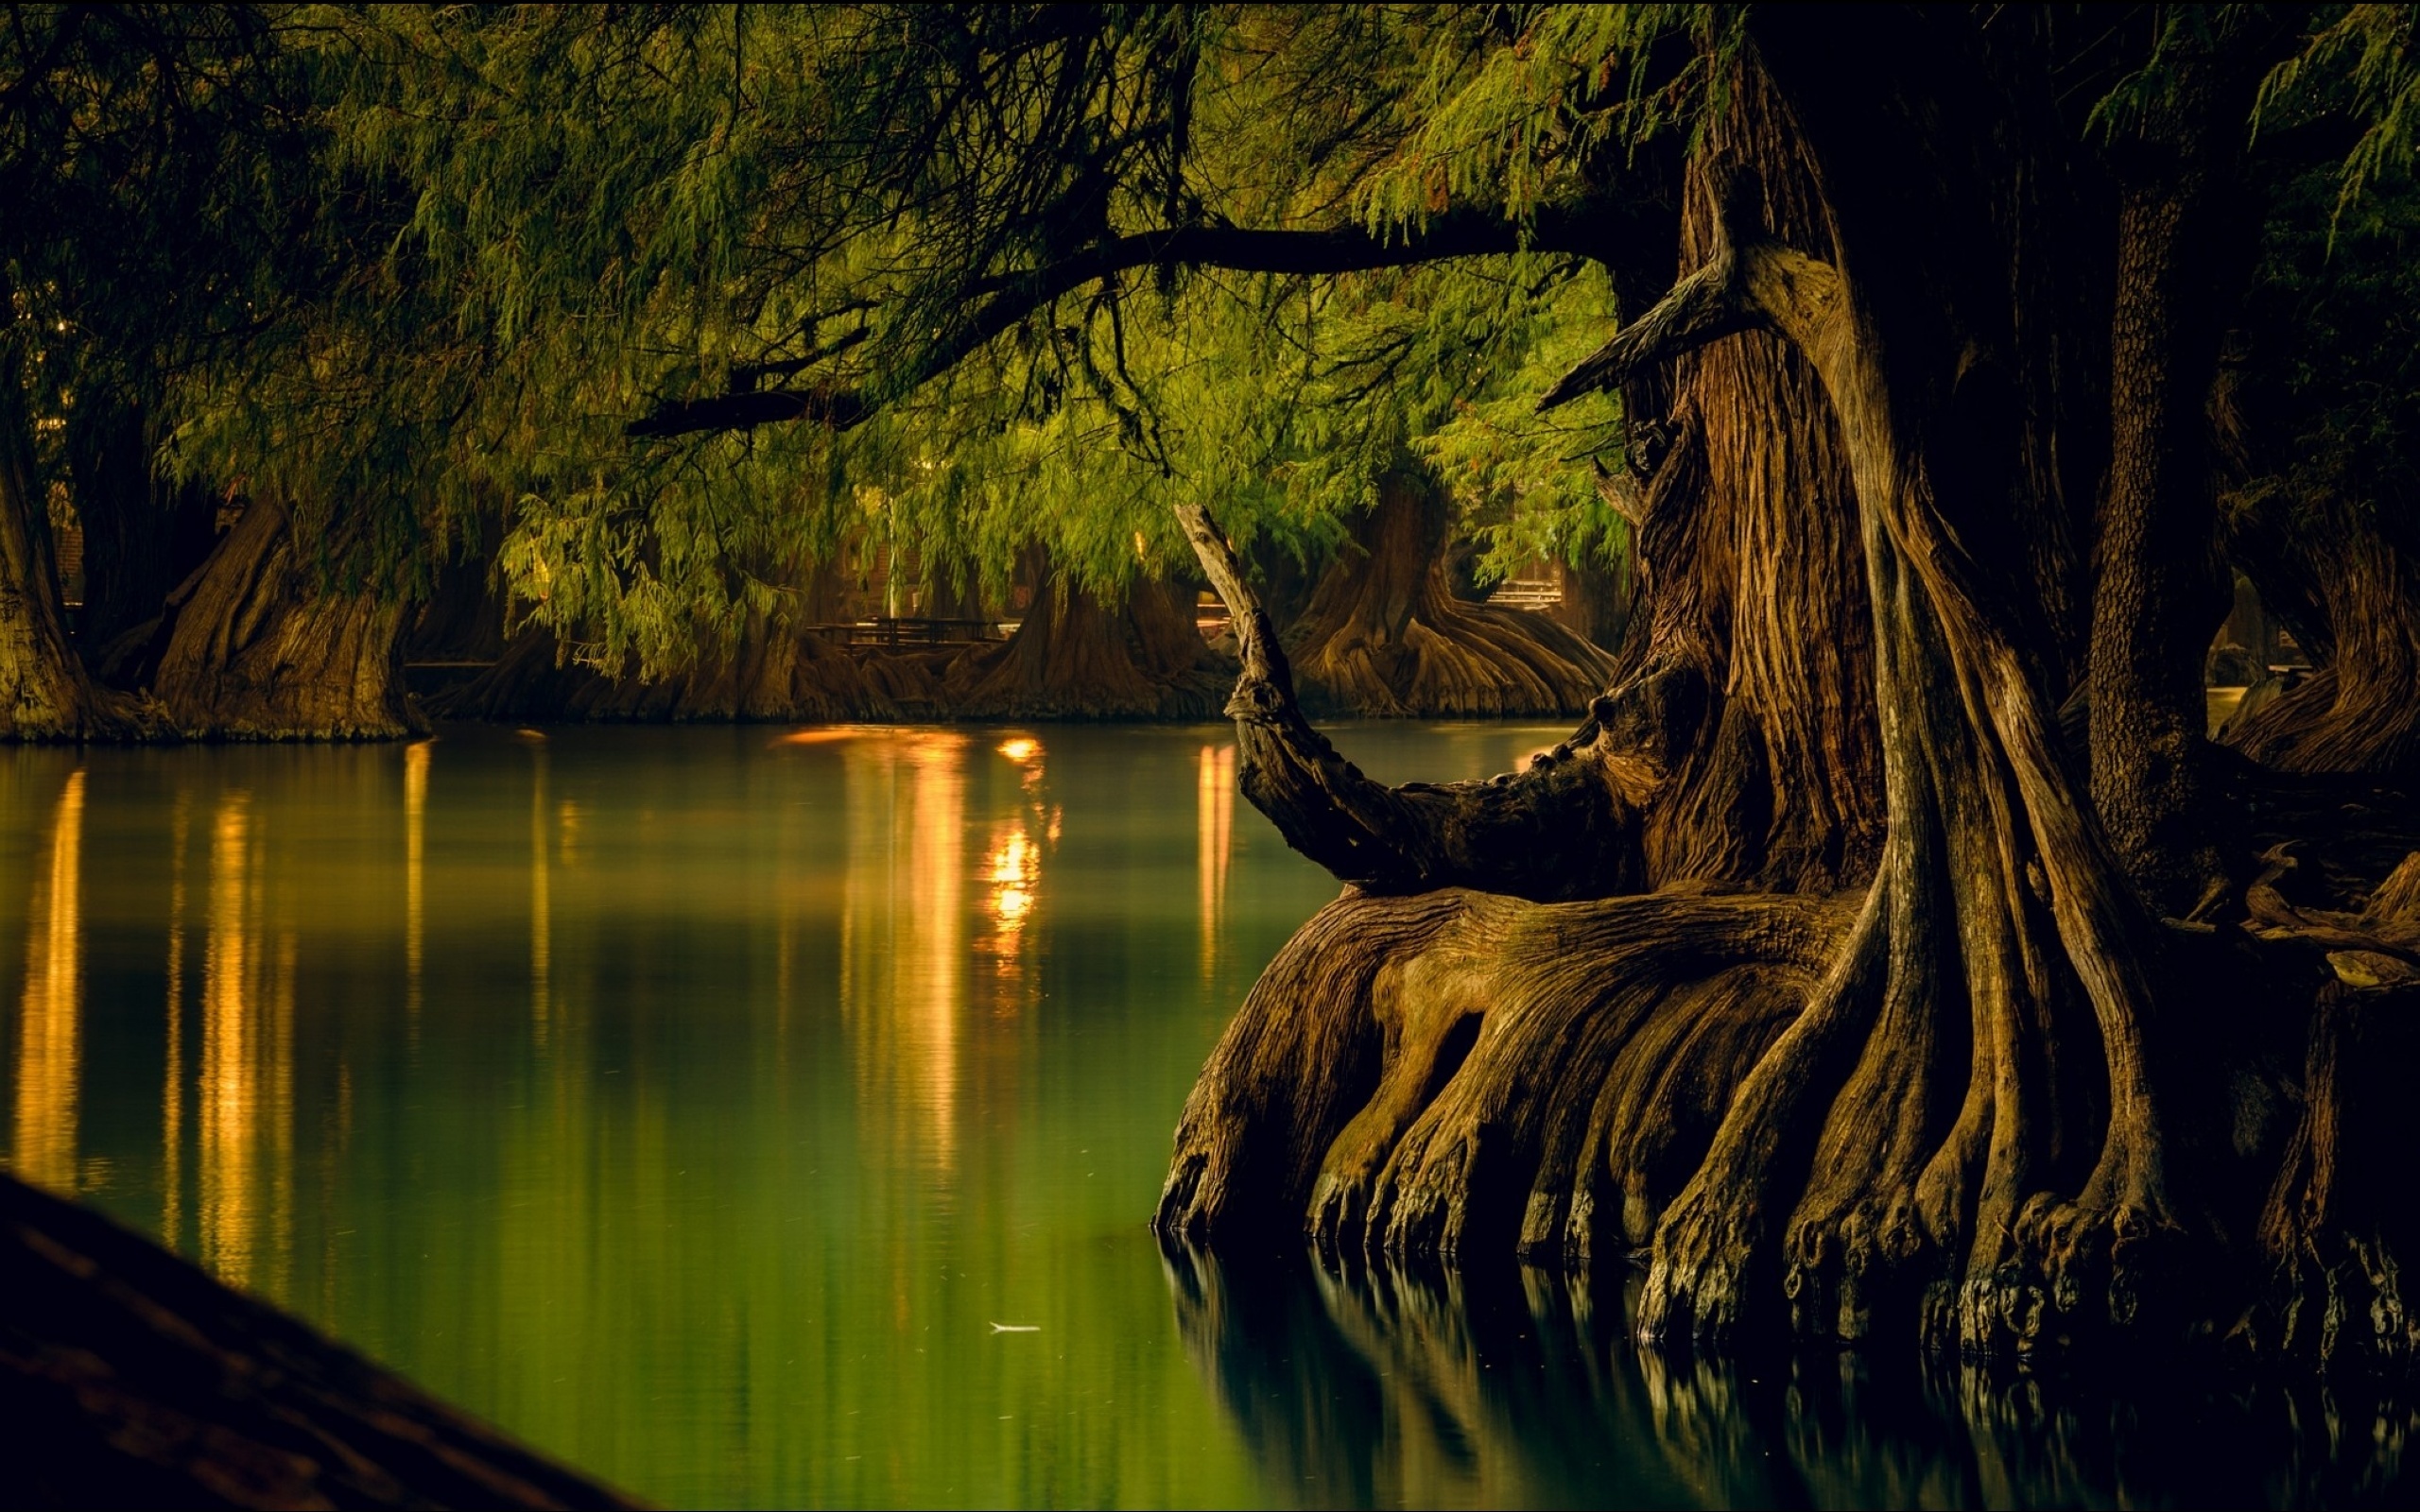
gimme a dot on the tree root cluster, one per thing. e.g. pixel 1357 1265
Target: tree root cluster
pixel 1463 1072
pixel 1385 636
pixel 1710 1084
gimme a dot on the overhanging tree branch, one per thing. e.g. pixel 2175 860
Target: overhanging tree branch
pixel 1751 282
pixel 1422 835
pixel 1586 231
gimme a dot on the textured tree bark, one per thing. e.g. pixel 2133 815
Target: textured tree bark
pixel 45 693
pixel 130 1379
pixel 1385 636
pixel 2346 577
pixel 257 649
pixel 1075 657
pixel 2159 587
pixel 143 534
pixel 1955 1108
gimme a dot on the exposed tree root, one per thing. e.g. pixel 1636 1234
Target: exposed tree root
pixel 775 675
pixel 1074 657
pixel 1385 636
pixel 2338 1226
pixel 1490 1072
pixel 1970 1114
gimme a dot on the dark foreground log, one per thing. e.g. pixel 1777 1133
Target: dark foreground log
pixel 129 1378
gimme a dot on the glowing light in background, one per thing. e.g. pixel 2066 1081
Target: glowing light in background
pixel 1015 864
pixel 50 1032
pixel 1215 826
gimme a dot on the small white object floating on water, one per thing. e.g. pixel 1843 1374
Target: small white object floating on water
pixel 1016 1328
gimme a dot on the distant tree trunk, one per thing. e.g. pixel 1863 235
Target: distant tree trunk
pixel 260 649
pixel 1386 636
pixel 1075 657
pixel 143 534
pixel 2160 589
pixel 2346 576
pixel 781 669
pixel 45 693
pixel 463 618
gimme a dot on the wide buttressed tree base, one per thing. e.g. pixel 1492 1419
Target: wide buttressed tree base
pixel 1386 636
pixel 257 647
pixel 1932 1067
pixel 47 694
pixel 1078 655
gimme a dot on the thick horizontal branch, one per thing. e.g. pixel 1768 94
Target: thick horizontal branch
pixel 1560 830
pixel 1005 301
pixel 1705 306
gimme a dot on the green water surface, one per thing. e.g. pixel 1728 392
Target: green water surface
pixel 764 1117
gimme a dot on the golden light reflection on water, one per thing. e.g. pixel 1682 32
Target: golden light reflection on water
pixel 541 912
pixel 847 1056
pixel 1214 837
pixel 245 1119
pixel 50 1030
pixel 902 933
pixel 172 1093
pixel 1012 873
pixel 416 756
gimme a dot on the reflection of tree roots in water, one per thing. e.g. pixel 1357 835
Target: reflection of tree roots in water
pixel 1361 1386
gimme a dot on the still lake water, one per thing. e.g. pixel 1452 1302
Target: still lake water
pixel 697 1104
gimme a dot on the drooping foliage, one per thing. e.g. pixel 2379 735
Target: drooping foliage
pixel 1039 274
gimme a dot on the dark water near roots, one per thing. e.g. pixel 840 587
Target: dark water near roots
pixel 696 1102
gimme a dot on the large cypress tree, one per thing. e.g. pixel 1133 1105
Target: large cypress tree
pixel 1890 948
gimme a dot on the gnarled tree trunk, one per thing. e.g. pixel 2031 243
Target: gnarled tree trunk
pixel 258 648
pixel 1075 657
pixel 1956 1103
pixel 2346 577
pixel 45 692
pixel 1385 636
pixel 143 534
